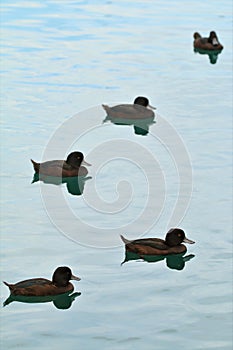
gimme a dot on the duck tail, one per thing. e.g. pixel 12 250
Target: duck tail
pixel 10 286
pixel 125 240
pixel 124 261
pixel 36 166
pixel 106 108
pixel 196 35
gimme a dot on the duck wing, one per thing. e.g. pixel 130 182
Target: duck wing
pixel 52 164
pixel 32 282
pixel 47 165
pixel 129 111
pixel 120 109
pixel 28 283
pixel 56 168
pixel 203 40
pixel 33 287
pixel 156 243
pixel 27 287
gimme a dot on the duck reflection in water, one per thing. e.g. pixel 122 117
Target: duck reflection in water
pixel 62 301
pixel 141 127
pixel 173 261
pixel 213 55
pixel 140 115
pixel 75 185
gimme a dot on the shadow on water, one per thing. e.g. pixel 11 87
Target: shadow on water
pixel 141 126
pixel 75 185
pixel 173 261
pixel 213 54
pixel 62 301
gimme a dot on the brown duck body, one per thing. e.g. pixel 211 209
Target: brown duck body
pixel 43 287
pixel 128 111
pixel 38 287
pixel 58 168
pixel 154 246
pixel 210 44
pixel 157 246
pixel 139 110
pixel 63 168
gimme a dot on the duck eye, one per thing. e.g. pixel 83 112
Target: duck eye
pixel 179 235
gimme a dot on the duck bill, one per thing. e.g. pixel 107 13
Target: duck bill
pixel 151 107
pixel 85 163
pixel 75 278
pixel 186 240
pixel 215 41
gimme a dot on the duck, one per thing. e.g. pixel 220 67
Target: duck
pixel 140 109
pixel 211 43
pixel 43 287
pixel 63 168
pixel 157 246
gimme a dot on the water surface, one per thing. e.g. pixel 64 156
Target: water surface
pixel 62 60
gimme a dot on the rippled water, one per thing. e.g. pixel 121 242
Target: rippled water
pixel 60 62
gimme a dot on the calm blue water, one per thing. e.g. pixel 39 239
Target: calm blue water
pixel 60 62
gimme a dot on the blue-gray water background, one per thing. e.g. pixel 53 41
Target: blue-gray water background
pixel 63 57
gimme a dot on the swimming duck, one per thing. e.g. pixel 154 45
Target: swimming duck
pixel 156 246
pixel 210 43
pixel 42 287
pixel 65 168
pixel 139 110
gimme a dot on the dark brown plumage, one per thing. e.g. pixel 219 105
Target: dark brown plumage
pixel 63 168
pixel 42 287
pixel 156 246
pixel 139 110
pixel 211 43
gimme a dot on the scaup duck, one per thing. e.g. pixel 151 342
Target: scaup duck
pixel 139 110
pixel 63 168
pixel 42 287
pixel 156 246
pixel 210 43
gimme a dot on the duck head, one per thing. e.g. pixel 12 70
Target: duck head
pixel 213 39
pixel 62 276
pixel 75 159
pixel 176 236
pixel 143 101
